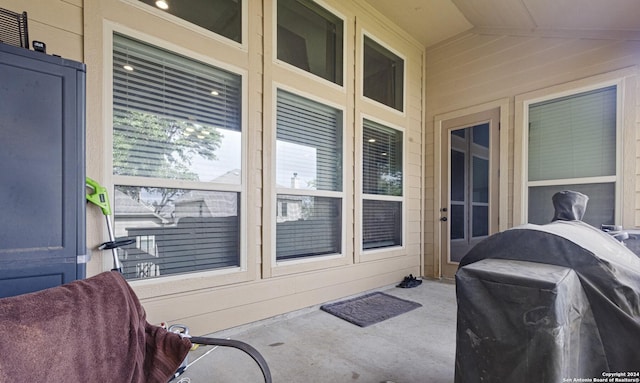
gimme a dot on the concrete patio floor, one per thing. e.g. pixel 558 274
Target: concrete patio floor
pixel 311 345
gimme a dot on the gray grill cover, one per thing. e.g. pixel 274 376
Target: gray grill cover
pixel 539 303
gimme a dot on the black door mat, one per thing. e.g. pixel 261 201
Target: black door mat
pixel 370 308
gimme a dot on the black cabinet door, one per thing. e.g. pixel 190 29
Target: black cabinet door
pixel 42 206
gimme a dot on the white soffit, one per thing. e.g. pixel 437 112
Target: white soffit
pixel 433 21
pixel 497 13
pixel 603 15
pixel 428 21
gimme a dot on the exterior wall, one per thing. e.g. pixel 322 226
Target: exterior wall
pixel 208 302
pixel 461 74
pixel 475 69
pixel 57 23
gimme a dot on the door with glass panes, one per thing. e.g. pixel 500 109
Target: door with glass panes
pixel 469 210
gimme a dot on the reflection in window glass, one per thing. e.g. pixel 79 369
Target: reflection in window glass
pixel 457 221
pixel 457 175
pixel 600 208
pixel 381 224
pixel 382 172
pixel 312 227
pixel 383 75
pixel 173 117
pixel 573 139
pixel 481 135
pixel 176 230
pixel 223 17
pixel 480 180
pixel 310 38
pixel 308 157
pixel 480 225
pixel 462 133
pixel 299 162
pixel 382 160
pixel 309 144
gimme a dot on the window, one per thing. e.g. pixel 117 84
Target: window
pixel 176 122
pixel 223 17
pixel 310 38
pixel 383 78
pixel 308 177
pixel 572 145
pixel 382 176
pixel 469 188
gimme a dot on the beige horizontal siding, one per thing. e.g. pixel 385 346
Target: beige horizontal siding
pixel 213 303
pixel 479 68
pixel 57 23
pixel 233 305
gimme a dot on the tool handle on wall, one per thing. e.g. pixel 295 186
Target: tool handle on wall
pixel 100 198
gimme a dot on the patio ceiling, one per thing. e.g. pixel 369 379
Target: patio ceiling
pixel 434 21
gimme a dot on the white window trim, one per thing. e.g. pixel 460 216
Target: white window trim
pixel 391 251
pixel 316 262
pixel 522 102
pixel 395 111
pixel 109 28
pixel 302 72
pixel 244 45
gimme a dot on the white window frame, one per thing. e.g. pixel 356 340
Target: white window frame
pixel 391 250
pixel 622 79
pixel 108 31
pixel 402 112
pixel 303 72
pixel 280 267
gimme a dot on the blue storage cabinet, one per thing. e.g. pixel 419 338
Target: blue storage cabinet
pixel 42 171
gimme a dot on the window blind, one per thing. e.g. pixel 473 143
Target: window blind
pixel 311 124
pixel 382 159
pixel 169 85
pixel 574 136
pixel 381 224
pixel 171 116
pixel 167 108
pixel 176 230
pixel 313 225
pixel 382 174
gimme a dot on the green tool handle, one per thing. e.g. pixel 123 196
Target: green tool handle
pixel 99 196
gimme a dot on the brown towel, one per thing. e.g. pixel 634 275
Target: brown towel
pixel 93 330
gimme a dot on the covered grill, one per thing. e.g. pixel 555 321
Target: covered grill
pixel 543 303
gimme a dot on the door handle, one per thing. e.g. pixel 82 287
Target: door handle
pixel 443 219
